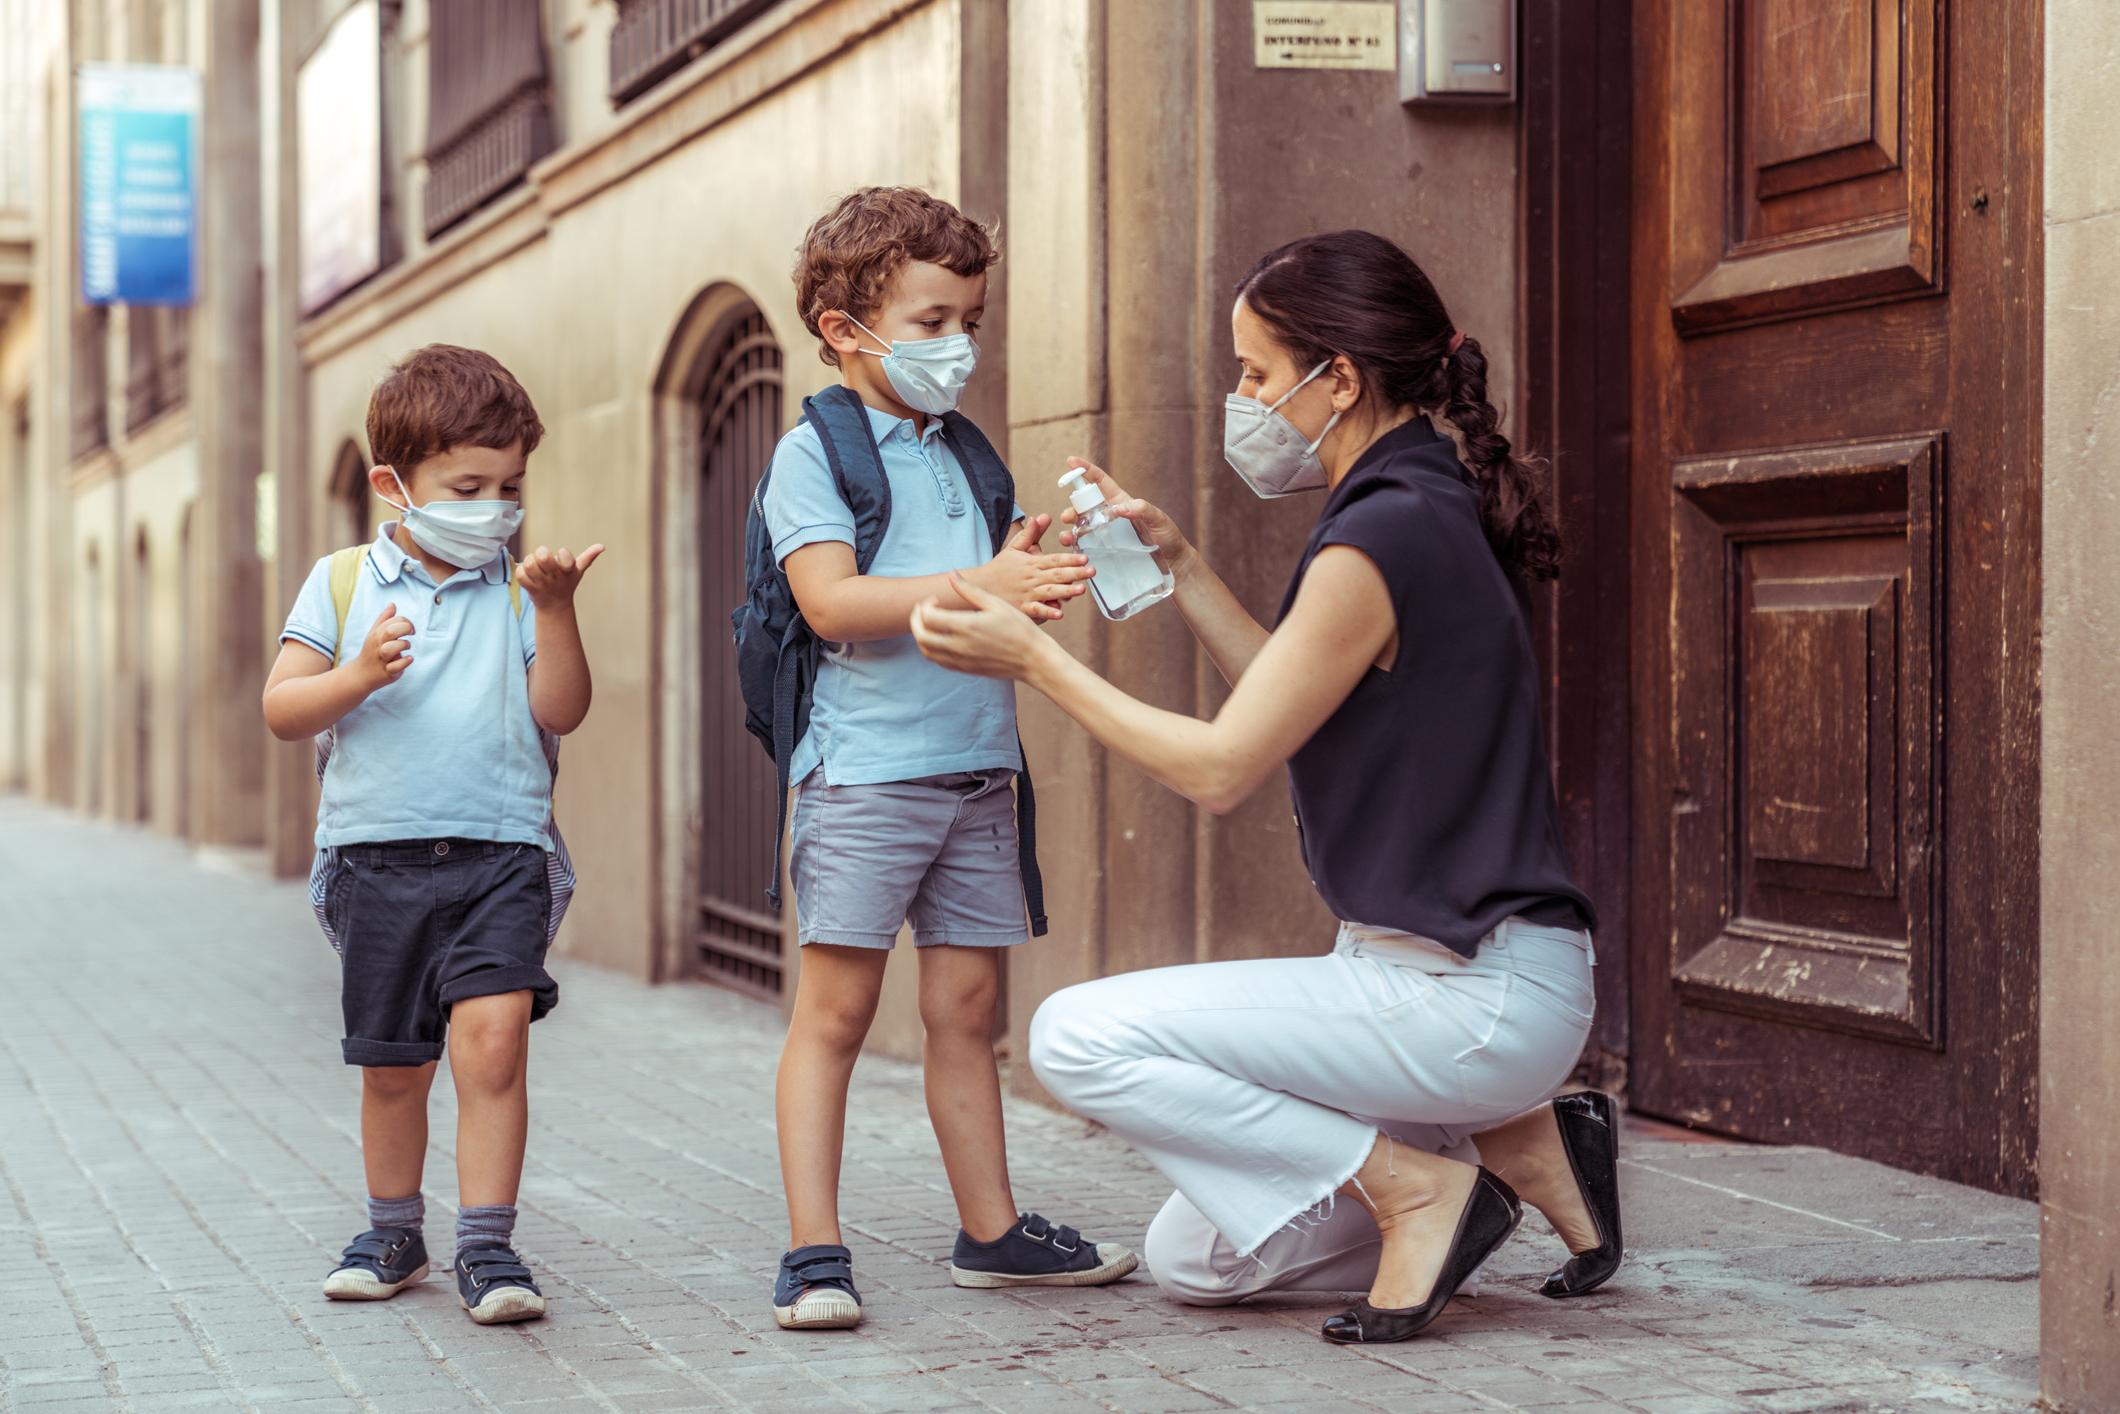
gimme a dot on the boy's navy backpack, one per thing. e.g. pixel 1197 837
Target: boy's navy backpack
pixel 776 652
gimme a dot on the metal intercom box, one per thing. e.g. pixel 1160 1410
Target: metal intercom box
pixel 1457 51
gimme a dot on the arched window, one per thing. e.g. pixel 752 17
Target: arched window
pixel 739 421
pixel 351 521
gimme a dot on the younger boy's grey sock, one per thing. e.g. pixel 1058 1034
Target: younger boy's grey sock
pixel 405 1214
pixel 482 1227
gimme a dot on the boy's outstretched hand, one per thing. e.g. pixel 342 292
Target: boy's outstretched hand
pixel 550 577
pixel 1025 576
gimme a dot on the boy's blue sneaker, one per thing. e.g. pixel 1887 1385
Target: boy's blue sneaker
pixel 1037 1253
pixel 378 1265
pixel 815 1290
pixel 495 1285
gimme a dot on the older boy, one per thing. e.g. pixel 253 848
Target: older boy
pixel 435 818
pixel 904 808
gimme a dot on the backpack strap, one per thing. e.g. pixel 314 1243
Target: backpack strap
pixel 345 573
pixel 841 421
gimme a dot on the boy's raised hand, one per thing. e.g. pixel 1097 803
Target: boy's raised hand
pixel 1025 576
pixel 550 577
pixel 387 651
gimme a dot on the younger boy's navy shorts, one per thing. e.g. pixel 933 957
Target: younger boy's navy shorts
pixel 425 924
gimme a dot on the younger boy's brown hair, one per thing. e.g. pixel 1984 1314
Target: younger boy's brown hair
pixel 441 397
pixel 851 254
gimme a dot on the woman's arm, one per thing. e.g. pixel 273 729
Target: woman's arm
pixel 843 605
pixel 1342 621
pixel 1231 636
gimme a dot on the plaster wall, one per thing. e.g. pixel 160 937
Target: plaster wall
pixel 1150 165
pixel 2079 1051
pixel 583 309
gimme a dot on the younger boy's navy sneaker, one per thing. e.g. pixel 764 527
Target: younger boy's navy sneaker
pixel 815 1290
pixel 378 1265
pixel 1037 1253
pixel 495 1286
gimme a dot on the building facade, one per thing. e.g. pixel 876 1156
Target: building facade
pixel 1802 298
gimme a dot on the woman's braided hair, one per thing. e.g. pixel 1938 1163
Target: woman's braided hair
pixel 1359 296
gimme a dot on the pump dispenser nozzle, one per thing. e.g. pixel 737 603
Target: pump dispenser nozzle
pixel 1083 494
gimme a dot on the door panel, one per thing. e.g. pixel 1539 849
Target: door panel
pixel 1806 178
pixel 1835 577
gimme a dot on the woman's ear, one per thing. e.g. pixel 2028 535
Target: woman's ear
pixel 1346 383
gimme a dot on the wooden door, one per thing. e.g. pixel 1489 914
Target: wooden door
pixel 739 940
pixel 1836 577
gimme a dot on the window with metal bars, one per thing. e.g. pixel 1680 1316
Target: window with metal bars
pixel 488 103
pixel 655 38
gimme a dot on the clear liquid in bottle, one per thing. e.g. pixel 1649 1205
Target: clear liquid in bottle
pixel 1128 579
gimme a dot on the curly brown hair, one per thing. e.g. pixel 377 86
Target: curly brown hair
pixel 851 254
pixel 441 397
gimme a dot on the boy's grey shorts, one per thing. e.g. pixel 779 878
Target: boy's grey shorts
pixel 939 851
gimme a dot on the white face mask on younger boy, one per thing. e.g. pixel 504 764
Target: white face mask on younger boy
pixel 466 534
pixel 929 374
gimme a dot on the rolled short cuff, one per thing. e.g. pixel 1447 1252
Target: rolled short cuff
pixel 961 938
pixel 499 981
pixel 385 1054
pixel 848 938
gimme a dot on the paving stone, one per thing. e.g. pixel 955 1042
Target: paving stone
pixel 183 1166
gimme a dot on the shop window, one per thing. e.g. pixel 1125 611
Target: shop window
pixel 488 103
pixel 655 38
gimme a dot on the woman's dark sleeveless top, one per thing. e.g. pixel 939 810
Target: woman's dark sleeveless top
pixel 1424 803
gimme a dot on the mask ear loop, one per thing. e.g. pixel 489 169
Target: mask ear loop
pixel 403 490
pixel 1312 449
pixel 866 330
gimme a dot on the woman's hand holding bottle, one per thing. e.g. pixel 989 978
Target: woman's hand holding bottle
pixel 1157 528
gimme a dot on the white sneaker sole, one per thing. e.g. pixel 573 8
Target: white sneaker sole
pixel 353 1284
pixel 508 1303
pixel 819 1310
pixel 1113 1262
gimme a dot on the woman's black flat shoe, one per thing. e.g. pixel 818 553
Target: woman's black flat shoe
pixel 1491 1214
pixel 1589 1125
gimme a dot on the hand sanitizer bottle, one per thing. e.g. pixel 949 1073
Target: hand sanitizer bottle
pixel 1128 579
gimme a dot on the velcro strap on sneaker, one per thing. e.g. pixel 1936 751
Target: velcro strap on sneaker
pixel 824 1267
pixel 487 1265
pixel 1062 1237
pixel 374 1247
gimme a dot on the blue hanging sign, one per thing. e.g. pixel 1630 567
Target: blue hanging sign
pixel 139 166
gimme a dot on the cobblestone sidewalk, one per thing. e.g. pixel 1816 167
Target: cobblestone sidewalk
pixel 178 1148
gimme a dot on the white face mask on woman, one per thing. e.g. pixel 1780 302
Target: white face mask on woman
pixel 929 374
pixel 466 534
pixel 1265 447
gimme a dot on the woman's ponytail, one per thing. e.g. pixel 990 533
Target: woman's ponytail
pixel 1358 296
pixel 1513 508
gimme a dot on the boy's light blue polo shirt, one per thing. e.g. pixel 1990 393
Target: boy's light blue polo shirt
pixel 450 748
pixel 883 712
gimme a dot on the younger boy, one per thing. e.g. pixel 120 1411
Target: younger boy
pixel 435 822
pixel 903 808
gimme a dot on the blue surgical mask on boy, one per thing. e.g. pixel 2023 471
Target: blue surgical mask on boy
pixel 929 374
pixel 466 534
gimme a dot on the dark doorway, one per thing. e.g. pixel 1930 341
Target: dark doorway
pixel 739 940
pixel 1836 577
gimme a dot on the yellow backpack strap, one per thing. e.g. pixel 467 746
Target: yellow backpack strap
pixel 345 573
pixel 515 591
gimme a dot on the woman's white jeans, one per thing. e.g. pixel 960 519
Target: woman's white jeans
pixel 1258 1088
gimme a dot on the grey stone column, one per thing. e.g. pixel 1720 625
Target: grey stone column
pixel 227 381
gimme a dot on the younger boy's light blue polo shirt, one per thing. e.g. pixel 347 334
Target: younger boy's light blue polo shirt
pixel 450 748
pixel 882 711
